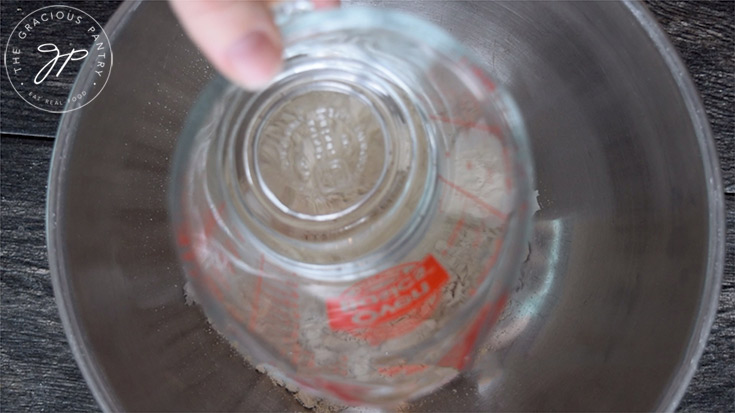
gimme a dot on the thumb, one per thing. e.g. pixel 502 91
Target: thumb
pixel 239 38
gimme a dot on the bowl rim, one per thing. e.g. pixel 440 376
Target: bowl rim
pixel 64 140
pixel 715 200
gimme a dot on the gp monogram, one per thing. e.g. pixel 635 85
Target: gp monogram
pixel 45 53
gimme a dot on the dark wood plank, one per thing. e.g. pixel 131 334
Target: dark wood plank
pixel 18 117
pixel 703 33
pixel 713 386
pixel 38 372
pixel 704 36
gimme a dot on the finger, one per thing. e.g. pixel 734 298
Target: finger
pixel 239 38
pixel 325 4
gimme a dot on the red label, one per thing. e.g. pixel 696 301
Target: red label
pixel 407 292
pixel 405 370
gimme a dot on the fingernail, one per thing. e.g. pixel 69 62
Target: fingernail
pixel 255 59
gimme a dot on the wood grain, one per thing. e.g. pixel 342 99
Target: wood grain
pixel 703 33
pixel 37 370
pixel 18 117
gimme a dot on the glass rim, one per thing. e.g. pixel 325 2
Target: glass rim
pixel 517 225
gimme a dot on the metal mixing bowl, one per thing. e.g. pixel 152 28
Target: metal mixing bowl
pixel 614 303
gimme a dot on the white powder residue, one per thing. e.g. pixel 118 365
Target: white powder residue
pixel 467 233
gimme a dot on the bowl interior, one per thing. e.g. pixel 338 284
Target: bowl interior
pixel 612 303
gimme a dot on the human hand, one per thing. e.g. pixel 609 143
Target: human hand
pixel 239 38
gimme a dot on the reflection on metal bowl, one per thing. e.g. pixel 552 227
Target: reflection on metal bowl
pixel 615 301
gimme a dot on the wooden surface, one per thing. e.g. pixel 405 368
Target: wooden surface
pixel 18 117
pixel 704 35
pixel 37 371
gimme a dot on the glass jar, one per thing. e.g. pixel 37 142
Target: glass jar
pixel 355 226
